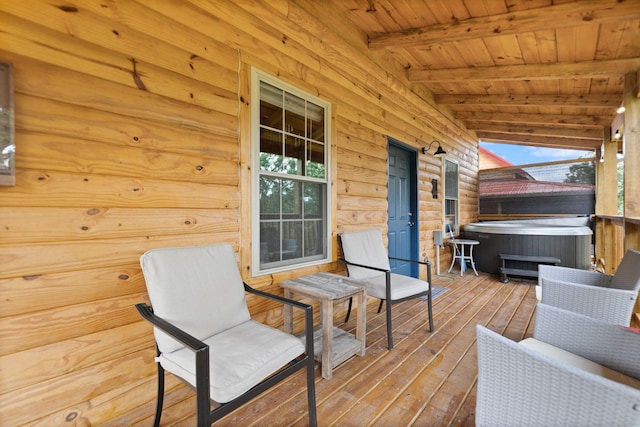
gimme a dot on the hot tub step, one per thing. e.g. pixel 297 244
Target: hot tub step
pixel 526 272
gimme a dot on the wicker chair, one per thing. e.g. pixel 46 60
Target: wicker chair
pixel 576 370
pixel 610 298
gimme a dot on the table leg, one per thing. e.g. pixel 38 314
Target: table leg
pixel 288 313
pixel 326 309
pixel 454 251
pixel 361 321
pixel 473 264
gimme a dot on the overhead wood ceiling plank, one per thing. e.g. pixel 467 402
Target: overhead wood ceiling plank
pixel 558 16
pixel 570 70
pixel 604 101
pixel 543 141
pixel 527 118
pixel 539 130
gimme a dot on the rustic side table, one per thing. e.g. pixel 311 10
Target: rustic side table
pixel 332 345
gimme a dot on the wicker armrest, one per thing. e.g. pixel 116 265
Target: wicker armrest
pixel 610 345
pixel 613 306
pixel 519 386
pixel 574 275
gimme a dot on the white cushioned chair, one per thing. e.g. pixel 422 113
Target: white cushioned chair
pixel 575 371
pixel 205 335
pixel 367 261
pixel 610 298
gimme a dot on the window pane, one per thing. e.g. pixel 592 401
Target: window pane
pixel 313 200
pixel 450 179
pixel 294 155
pixel 314 240
pixel 294 114
pixel 315 122
pixel 291 239
pixel 269 242
pixel 270 150
pixel 315 160
pixel 271 106
pixel 269 198
pixel 291 199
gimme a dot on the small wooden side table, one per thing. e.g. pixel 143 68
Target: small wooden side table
pixel 332 345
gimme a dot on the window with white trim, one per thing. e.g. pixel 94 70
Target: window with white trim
pixel 290 176
pixel 451 203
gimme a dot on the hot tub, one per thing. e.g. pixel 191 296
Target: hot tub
pixel 568 239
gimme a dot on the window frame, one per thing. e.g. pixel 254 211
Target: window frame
pixel 445 197
pixel 258 77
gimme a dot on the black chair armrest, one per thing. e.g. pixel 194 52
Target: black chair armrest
pixel 427 262
pixel 188 340
pixel 308 314
pixel 364 266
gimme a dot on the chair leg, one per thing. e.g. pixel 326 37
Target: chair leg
pixel 389 336
pixel 160 398
pixel 311 392
pixel 346 319
pixel 380 305
pixel 430 311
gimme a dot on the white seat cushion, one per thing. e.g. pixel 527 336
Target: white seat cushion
pixel 579 362
pixel 401 286
pixel 237 358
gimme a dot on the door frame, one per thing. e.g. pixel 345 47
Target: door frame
pixel 414 234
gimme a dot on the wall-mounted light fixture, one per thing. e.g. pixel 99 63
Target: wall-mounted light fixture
pixel 434 188
pixel 439 151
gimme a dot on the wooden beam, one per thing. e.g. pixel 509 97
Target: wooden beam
pixel 631 148
pixel 530 20
pixel 553 131
pixel 553 71
pixel 560 119
pixel 509 100
pixel 541 141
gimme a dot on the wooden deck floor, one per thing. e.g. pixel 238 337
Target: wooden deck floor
pixel 428 379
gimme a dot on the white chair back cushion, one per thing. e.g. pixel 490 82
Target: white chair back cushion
pixel 627 275
pixel 198 289
pixel 366 248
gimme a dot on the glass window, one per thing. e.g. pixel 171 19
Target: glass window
pixel 451 216
pixel 291 213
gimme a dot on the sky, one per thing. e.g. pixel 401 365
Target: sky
pixel 523 155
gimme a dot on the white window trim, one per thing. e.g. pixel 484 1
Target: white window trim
pixel 258 76
pixel 456 232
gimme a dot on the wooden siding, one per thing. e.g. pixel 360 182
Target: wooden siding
pixel 132 133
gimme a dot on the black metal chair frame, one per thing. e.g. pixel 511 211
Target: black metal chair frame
pixel 206 416
pixel 388 299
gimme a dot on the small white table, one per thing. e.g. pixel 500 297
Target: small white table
pixel 332 345
pixel 458 246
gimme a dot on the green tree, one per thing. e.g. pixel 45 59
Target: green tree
pixel 581 173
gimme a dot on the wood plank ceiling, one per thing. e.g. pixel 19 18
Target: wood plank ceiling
pixel 530 72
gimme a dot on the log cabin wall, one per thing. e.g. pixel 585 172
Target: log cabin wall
pixel 132 134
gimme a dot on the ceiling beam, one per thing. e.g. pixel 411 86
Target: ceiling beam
pixel 540 130
pixel 595 100
pixel 542 141
pixel 562 70
pixel 550 119
pixel 537 19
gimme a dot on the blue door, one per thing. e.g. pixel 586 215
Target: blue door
pixel 402 199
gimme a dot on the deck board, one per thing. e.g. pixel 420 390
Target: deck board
pixel 428 379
